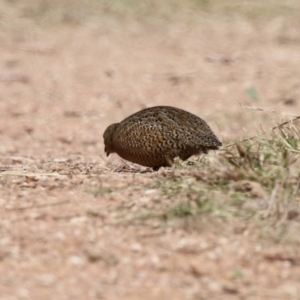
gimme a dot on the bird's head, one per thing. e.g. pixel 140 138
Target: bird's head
pixel 108 138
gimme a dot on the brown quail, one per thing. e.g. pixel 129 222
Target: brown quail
pixel 154 136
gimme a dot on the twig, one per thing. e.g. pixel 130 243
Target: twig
pixel 265 110
pixel 17 158
pixel 23 173
pixel 40 206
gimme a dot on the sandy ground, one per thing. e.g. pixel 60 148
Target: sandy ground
pixel 70 228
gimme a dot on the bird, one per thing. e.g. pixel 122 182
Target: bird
pixel 154 136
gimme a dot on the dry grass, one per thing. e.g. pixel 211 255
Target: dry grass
pixel 264 168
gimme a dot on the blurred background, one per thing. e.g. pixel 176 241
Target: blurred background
pixel 70 68
pixel 226 228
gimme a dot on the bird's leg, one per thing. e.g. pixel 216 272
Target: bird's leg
pixel 169 161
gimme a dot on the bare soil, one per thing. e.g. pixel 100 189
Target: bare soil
pixel 72 221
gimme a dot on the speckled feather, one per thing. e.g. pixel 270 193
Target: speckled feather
pixel 154 136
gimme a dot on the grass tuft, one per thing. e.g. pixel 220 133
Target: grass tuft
pixel 258 179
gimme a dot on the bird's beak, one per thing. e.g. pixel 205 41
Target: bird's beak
pixel 106 151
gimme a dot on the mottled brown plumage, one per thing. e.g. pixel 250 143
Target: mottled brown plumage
pixel 154 136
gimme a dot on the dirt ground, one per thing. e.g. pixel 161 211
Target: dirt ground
pixel 70 225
